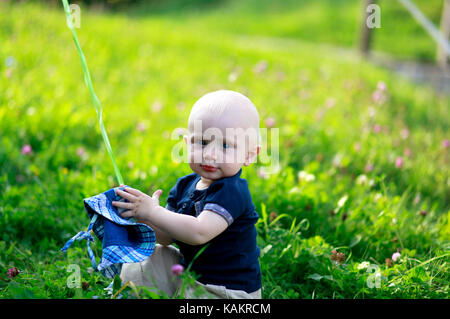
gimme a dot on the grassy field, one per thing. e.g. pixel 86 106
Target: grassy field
pixel 364 154
pixel 335 22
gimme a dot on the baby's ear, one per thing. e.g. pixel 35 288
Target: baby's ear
pixel 252 155
pixel 185 138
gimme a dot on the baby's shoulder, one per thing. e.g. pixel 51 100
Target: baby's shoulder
pixel 236 188
pixel 183 181
pixel 188 177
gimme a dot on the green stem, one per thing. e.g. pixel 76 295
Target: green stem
pixel 96 101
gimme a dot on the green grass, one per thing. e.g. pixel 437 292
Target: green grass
pixel 336 22
pixel 321 101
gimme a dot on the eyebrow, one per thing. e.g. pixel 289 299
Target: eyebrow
pixel 198 138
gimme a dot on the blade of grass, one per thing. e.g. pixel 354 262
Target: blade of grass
pixel 95 100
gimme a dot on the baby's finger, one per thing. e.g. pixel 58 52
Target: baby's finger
pixel 126 214
pixel 157 194
pixel 125 195
pixel 133 191
pixel 123 205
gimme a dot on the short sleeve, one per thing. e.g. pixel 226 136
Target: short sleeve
pixel 227 200
pixel 172 199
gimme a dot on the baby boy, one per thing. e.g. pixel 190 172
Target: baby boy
pixel 211 206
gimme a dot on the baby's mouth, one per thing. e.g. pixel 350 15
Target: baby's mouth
pixel 208 168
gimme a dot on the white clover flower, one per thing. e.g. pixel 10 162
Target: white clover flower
pixel 377 197
pixel 342 201
pixel 361 179
pixel 364 265
pixel 337 160
pixel 304 176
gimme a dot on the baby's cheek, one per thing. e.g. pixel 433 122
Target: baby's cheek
pixel 239 155
pixel 195 155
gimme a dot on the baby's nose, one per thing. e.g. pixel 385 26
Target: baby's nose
pixel 210 152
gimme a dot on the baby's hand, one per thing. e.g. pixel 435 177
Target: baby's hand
pixel 140 204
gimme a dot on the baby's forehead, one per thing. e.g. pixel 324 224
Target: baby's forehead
pixel 236 111
pixel 222 102
pixel 227 121
pixel 231 117
pixel 225 111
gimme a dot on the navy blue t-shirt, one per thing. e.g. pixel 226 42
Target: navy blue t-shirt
pixel 231 259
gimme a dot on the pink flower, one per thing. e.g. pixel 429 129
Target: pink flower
pixel 13 272
pixel 180 131
pixel 377 128
pixel 368 168
pixel 381 86
pixel 9 72
pixel 407 152
pixel 26 149
pixel 445 143
pixel 141 127
pixel 180 106
pixel 157 106
pixel 260 67
pixel 377 96
pixel 396 256
pixel 177 269
pixel 405 133
pixel 330 102
pixel 356 147
pixel 399 162
pixel 270 122
pixel 261 173
pixel 81 151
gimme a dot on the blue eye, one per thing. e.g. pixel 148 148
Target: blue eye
pixel 225 145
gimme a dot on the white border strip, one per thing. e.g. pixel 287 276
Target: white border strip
pixel 427 24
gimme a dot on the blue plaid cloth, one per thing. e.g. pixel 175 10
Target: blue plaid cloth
pixel 123 240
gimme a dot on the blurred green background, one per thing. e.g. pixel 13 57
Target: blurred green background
pixel 363 151
pixel 336 22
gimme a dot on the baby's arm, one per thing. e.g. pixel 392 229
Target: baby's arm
pixel 188 229
pixel 161 236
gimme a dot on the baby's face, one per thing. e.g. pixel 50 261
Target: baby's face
pixel 218 146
